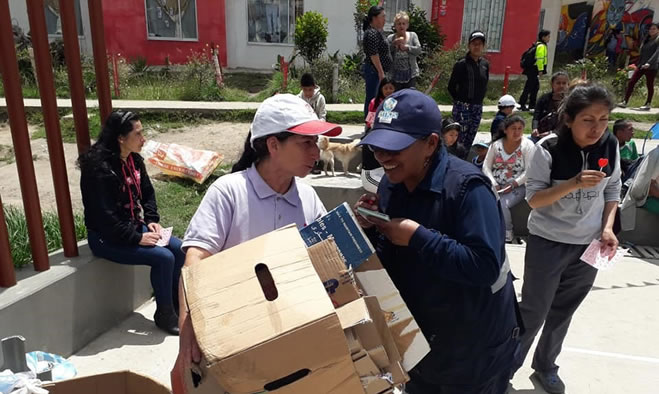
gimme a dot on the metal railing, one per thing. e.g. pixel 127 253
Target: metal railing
pixel 18 125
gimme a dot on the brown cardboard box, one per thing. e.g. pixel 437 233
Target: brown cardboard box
pixel 366 367
pixel 339 281
pixel 123 382
pixel 374 280
pixel 254 329
pixel 373 344
pixel 365 318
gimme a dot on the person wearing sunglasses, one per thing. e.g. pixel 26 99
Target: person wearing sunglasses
pixel 121 214
pixel 444 248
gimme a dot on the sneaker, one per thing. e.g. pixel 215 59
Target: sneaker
pixel 646 107
pixel 524 108
pixel 622 104
pixel 550 381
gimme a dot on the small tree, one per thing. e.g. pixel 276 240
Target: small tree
pixel 429 33
pixel 311 35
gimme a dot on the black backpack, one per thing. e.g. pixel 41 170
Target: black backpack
pixel 528 57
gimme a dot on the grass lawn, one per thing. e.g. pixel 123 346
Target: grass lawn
pixel 179 198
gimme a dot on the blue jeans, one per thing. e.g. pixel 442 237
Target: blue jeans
pixel 165 263
pixel 372 81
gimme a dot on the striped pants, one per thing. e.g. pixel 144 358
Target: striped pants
pixel 469 117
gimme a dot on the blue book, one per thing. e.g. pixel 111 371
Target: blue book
pixel 340 223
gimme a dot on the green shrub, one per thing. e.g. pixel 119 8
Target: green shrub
pixel 197 76
pixel 57 53
pixel 441 62
pixel 19 238
pixel 25 67
pixel 596 68
pixel 429 33
pixel 352 64
pixel 311 35
pixel 138 65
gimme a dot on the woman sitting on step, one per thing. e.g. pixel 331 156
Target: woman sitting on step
pixel 121 214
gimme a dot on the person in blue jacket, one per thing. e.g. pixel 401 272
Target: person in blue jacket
pixel 444 248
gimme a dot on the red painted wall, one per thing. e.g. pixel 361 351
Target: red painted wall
pixel 126 34
pixel 519 31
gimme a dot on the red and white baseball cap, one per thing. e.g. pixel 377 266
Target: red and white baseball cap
pixel 287 112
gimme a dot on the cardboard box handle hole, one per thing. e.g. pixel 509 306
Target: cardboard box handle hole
pixel 286 380
pixel 267 283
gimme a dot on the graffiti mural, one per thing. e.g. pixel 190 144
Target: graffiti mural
pixel 572 30
pixel 631 17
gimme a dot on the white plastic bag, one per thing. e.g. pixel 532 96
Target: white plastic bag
pixel 181 161
pixel 20 383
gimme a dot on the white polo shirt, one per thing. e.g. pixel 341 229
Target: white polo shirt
pixel 241 206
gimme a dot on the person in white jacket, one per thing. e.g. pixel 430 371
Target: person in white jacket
pixel 644 191
pixel 311 94
pixel 506 163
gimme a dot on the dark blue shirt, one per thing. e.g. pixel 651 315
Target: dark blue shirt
pixel 497 122
pixel 446 273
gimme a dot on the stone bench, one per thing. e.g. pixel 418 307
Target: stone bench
pixel 63 309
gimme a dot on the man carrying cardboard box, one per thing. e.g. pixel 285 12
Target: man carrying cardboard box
pixel 444 249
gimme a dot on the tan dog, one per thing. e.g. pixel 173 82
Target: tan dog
pixel 329 151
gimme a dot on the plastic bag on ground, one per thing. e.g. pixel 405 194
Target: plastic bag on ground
pixel 181 161
pixel 20 383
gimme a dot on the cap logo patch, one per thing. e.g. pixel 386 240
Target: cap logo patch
pixel 387 114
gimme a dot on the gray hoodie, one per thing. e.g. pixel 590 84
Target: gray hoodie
pixel 577 217
pixel 317 102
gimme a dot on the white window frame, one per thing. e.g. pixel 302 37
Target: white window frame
pixel 390 18
pixel 180 28
pixel 80 36
pixel 489 46
pixel 271 44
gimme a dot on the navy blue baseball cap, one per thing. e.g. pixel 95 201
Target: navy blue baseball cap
pixel 403 118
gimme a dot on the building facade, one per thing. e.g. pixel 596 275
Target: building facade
pixel 251 33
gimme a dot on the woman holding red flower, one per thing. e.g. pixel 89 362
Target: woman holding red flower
pixel 573 186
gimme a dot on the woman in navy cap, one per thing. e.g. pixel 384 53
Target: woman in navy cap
pixel 444 249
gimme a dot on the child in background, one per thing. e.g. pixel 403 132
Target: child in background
pixel 506 106
pixel 450 133
pixel 385 89
pixel 372 172
pixel 481 148
pixel 311 94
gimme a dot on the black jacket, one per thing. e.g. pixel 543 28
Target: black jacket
pixel 545 105
pixel 105 196
pixel 649 53
pixel 468 82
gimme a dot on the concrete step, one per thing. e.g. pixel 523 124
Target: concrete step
pixel 76 300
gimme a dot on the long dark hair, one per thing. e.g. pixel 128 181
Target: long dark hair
pixel 580 98
pixel 372 13
pixel 507 122
pixel 254 152
pixel 380 95
pixel 118 124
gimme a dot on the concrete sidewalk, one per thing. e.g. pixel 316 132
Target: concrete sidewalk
pixel 612 346
pixel 204 106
